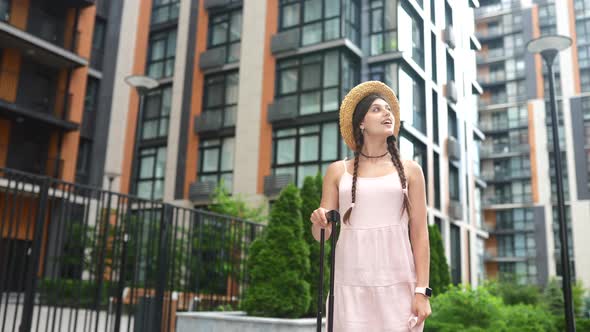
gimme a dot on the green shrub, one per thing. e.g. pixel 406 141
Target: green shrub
pixel 461 308
pixel 73 292
pixel 311 194
pixel 525 318
pixel 440 278
pixel 279 262
pixel 512 293
pixel 234 205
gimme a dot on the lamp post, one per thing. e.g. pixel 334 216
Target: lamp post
pixel 549 47
pixel 142 84
pixel 111 176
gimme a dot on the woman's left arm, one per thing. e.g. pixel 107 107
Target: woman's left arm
pixel 419 235
pixel 418 222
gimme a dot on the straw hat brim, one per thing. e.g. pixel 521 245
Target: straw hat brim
pixel 354 96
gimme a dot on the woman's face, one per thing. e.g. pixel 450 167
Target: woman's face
pixel 379 120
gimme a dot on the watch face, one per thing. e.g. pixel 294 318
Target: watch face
pixel 428 291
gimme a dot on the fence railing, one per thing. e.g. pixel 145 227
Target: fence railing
pixel 74 257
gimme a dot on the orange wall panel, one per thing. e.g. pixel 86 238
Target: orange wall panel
pixel 192 153
pixel 19 13
pixel 264 152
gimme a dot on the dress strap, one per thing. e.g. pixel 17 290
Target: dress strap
pixel 344 162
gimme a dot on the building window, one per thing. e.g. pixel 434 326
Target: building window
pixel 221 95
pixel 91 99
pixel 433 57
pixel 411 36
pixel 448 15
pixel 410 89
pixel 150 178
pixel 225 31
pixel 83 161
pixel 98 44
pixel 315 83
pixel 435 131
pixel 455 254
pixel 433 11
pixel 454 189
pixel 4 10
pixel 412 100
pixel 161 54
pixel 411 148
pixel 450 68
pixel 383 26
pixel 321 20
pixel 436 165
pixel 164 11
pixel 306 150
pixel 156 114
pixel 216 161
pixel 453 126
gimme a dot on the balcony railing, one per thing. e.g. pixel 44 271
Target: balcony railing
pixel 501 149
pixel 508 199
pixel 56 103
pixel 506 175
pixel 502 125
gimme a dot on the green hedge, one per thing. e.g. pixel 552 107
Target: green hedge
pixel 278 263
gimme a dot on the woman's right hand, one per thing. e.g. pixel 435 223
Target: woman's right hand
pixel 318 218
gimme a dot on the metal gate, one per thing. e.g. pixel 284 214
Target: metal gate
pixel 78 258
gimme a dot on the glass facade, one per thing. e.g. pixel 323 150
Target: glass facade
pixel 225 31
pixel 321 21
pixel 161 54
pixel 306 150
pixel 316 82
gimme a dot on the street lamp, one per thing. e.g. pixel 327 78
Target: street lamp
pixel 111 176
pixel 549 47
pixel 142 84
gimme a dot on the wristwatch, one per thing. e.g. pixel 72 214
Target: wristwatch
pixel 426 291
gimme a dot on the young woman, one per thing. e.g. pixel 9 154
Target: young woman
pixel 382 254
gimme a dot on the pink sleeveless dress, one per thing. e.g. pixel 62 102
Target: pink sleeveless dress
pixel 374 275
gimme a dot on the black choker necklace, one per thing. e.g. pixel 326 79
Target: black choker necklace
pixel 383 155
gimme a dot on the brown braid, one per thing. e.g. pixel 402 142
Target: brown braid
pixel 395 158
pixel 359 143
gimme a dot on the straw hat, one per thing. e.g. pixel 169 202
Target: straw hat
pixel 354 96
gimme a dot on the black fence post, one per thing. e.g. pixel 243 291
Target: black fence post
pixel 31 273
pixel 121 283
pixel 165 223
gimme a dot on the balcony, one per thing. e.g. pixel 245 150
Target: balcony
pixel 453 148
pixel 218 4
pixel 273 184
pixel 507 199
pixel 210 121
pixel 449 36
pixel 45 40
pixel 76 3
pixel 285 41
pixel 455 210
pixel 37 164
pixel 493 78
pixel 24 97
pixel 283 109
pixel 451 91
pixel 503 150
pixel 213 58
pixel 507 175
pixel 201 191
pixel 502 125
pixel 496 9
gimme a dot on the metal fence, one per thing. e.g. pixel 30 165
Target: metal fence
pixel 78 258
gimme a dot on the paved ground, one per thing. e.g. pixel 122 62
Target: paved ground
pixel 49 319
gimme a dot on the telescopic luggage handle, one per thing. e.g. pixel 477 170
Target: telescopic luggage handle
pixel 334 217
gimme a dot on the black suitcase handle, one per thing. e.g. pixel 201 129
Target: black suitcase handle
pixel 334 217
